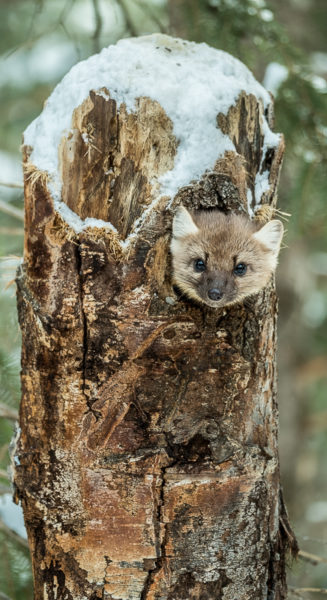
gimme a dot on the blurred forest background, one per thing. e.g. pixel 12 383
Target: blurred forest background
pixel 284 43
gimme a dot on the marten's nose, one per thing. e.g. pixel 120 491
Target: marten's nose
pixel 215 294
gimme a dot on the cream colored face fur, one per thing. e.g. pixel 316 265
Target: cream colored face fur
pixel 221 259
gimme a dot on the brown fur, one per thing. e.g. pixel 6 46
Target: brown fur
pixel 222 241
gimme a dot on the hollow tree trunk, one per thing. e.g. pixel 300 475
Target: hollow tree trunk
pixel 147 462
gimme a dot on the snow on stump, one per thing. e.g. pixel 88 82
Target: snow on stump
pixel 147 461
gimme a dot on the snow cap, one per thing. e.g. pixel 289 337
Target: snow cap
pixel 192 82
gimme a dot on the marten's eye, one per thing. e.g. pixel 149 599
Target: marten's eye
pixel 240 269
pixel 199 265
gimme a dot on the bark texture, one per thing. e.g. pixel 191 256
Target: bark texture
pixel 147 463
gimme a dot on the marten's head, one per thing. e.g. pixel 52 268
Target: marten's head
pixel 221 259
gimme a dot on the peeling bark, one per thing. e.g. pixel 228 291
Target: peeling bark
pixel 147 464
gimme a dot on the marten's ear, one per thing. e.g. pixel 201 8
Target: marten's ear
pixel 183 223
pixel 270 235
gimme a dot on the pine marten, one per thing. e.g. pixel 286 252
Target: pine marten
pixel 220 259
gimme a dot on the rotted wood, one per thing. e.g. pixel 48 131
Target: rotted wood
pixel 147 463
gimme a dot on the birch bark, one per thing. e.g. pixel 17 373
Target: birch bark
pixel 147 463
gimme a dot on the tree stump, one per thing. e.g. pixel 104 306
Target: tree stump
pixel 147 460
